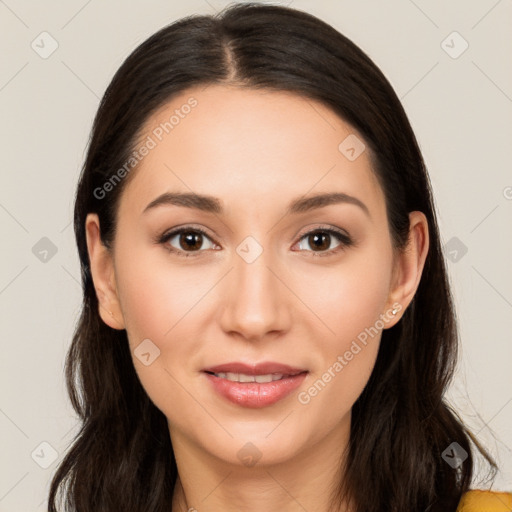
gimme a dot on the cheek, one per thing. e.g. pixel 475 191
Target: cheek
pixel 165 301
pixel 349 300
pixel 349 297
pixel 156 294
pixel 158 302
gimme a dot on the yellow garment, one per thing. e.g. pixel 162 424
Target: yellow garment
pixel 485 501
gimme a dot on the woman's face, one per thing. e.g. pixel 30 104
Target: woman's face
pixel 265 283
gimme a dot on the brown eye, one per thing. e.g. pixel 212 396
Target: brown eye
pixel 319 241
pixel 186 241
pixel 191 240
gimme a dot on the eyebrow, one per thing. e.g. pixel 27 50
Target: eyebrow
pixel 212 204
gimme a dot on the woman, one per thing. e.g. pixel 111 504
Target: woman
pixel 267 320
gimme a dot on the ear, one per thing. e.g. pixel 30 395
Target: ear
pixel 103 276
pixel 408 268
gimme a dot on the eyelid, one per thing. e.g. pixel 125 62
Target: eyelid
pixel 322 227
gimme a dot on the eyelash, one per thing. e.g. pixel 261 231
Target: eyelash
pixel 345 240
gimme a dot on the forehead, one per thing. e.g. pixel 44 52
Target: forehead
pixel 250 148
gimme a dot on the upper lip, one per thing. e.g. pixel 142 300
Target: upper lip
pixel 263 368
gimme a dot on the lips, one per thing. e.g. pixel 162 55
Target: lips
pixel 224 380
pixel 255 369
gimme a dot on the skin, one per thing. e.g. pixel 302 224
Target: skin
pixel 255 151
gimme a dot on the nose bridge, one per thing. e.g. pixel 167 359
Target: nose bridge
pixel 254 303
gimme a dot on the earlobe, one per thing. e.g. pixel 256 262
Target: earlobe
pixel 102 271
pixel 409 266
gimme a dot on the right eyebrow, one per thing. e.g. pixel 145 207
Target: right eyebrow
pixel 188 200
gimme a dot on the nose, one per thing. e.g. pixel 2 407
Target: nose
pixel 255 303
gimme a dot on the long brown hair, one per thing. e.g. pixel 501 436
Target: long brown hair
pixel 122 457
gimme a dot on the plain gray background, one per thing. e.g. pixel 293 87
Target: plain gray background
pixel 458 99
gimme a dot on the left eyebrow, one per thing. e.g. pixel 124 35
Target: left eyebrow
pixel 213 205
pixel 305 204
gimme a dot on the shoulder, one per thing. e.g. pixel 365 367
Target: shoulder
pixel 485 501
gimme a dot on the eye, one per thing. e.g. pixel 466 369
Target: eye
pixel 320 239
pixel 187 241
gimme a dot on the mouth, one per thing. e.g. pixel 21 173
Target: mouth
pixel 255 369
pixel 260 379
pixel 257 385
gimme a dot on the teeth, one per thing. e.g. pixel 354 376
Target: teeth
pixel 242 377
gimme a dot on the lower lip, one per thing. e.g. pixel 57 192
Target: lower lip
pixel 255 394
